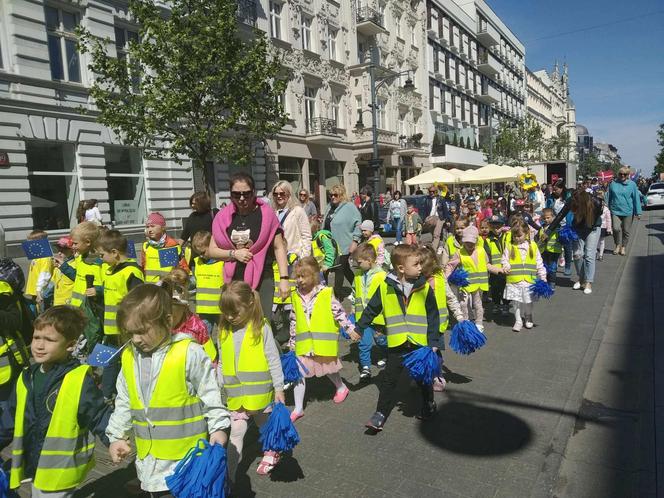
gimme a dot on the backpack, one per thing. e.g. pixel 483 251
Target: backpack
pixel 11 273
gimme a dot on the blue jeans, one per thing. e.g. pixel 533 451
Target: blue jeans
pixel 367 342
pixel 568 250
pixel 398 224
pixel 584 255
pixel 550 260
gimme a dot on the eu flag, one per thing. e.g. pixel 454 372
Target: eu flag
pixel 169 256
pixel 101 355
pixel 35 249
pixel 131 249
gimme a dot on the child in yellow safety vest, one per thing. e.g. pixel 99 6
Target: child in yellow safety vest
pixel 473 259
pixel 57 406
pixel 157 239
pixel 250 368
pixel 408 305
pixel 209 277
pixel 493 245
pixel 522 263
pixel 168 396
pixel 184 321
pixel 88 283
pixel 314 331
pixel 453 242
pixel 445 299
pixel 374 240
pixel 550 247
pixel 367 281
pixel 120 276
pixel 64 273
pixel 39 273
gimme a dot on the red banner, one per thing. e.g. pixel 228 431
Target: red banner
pixel 605 176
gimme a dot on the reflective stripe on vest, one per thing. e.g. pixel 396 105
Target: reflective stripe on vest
pixel 209 280
pixel 85 267
pixel 115 289
pixel 439 284
pixel 173 422
pixel 277 299
pixel 478 276
pixel 250 386
pixel 153 269
pixel 362 298
pixel 68 450
pixel 410 327
pixel 522 270
pixel 495 253
pixel 9 346
pixel 320 332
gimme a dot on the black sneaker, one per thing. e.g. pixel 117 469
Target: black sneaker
pixel 427 411
pixel 376 422
pixel 365 374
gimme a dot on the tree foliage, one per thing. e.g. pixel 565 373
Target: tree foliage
pixel 659 158
pixel 191 84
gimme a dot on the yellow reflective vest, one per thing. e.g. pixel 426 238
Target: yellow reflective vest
pixel 551 244
pixel 63 285
pixel 115 289
pixel 292 258
pixel 37 267
pixel 320 332
pixel 90 265
pixel 67 454
pixel 439 284
pixel 522 270
pixel 363 294
pixel 494 245
pixel 451 245
pixel 209 281
pixel 173 422
pixel 411 326
pixel 478 275
pixel 153 269
pixel 249 384
pixel 9 346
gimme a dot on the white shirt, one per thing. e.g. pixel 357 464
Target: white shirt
pixel 434 205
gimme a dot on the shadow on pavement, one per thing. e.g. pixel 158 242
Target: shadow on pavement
pixel 470 429
pixel 111 485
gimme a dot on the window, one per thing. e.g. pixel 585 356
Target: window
pixel 275 20
pixel 62 53
pixel 283 102
pixel 53 184
pixel 413 36
pixel 401 125
pixel 337 116
pixel 332 43
pixel 397 22
pixel 358 108
pixel 381 114
pixel 309 104
pixel 290 169
pixel 306 32
pixel 123 37
pixel 126 186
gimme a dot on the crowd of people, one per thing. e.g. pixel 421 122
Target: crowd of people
pixel 199 322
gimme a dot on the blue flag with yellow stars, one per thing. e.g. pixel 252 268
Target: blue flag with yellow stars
pixel 169 256
pixel 131 249
pixel 101 355
pixel 35 249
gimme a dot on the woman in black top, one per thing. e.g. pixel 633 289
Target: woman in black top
pixel 201 217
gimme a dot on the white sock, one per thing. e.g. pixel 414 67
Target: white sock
pixel 298 394
pixel 336 380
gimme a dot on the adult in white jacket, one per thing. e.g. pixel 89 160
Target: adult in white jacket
pixel 293 219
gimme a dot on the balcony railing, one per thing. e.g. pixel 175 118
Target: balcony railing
pixel 367 14
pixel 246 12
pixel 321 126
pixel 409 143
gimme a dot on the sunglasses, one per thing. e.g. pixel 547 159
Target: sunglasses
pixel 623 174
pixel 302 194
pixel 334 195
pixel 239 195
pixel 279 194
pixel 433 191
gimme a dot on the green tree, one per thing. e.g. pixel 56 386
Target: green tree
pixel 590 165
pixel 659 158
pixel 191 84
pixel 517 143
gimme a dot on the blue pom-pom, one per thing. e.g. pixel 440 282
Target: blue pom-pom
pixel 290 365
pixel 459 277
pixel 567 234
pixel 201 473
pixel 551 268
pixel 423 364
pixel 278 433
pixel 541 289
pixel 466 338
pixel 4 484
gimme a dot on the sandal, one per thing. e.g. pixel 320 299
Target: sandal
pixel 622 250
pixel 269 462
pixel 616 251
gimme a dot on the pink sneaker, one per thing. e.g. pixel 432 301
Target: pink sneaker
pixel 340 396
pixel 296 416
pixel 439 384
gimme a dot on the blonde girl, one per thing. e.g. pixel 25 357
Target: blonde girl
pixel 522 263
pixel 89 267
pixel 250 367
pixel 165 381
pixel 314 330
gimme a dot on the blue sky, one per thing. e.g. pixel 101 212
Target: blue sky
pixel 616 72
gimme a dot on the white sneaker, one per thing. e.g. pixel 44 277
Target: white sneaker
pixel 480 328
pixel 529 325
pixel 576 286
pixel 588 290
pixel 381 363
pixel 517 326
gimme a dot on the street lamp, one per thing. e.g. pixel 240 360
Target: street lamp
pixel 375 163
